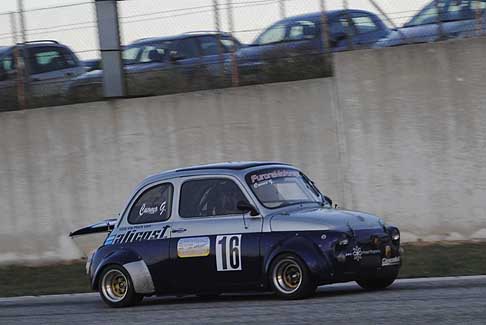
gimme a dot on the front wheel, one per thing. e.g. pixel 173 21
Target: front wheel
pixel 116 287
pixel 378 282
pixel 290 278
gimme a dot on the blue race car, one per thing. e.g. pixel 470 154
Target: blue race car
pixel 231 227
pixel 301 37
pixel 458 18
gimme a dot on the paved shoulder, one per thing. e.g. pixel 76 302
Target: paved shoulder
pixel 410 301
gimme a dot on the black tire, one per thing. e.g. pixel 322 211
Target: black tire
pixel 378 282
pixel 116 287
pixel 290 277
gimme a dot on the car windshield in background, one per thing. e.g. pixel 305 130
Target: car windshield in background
pixel 145 53
pixel 450 10
pixel 279 187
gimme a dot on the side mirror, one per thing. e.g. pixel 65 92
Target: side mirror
pixel 245 207
pixel 175 56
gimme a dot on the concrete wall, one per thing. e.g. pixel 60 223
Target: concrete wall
pixel 400 132
pixel 65 167
pixel 413 124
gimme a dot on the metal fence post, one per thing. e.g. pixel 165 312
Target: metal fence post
pixel 439 18
pixel 217 25
pixel 281 6
pixel 326 41
pixel 110 47
pixel 19 64
pixel 22 55
pixel 348 29
pixel 235 78
pixel 479 20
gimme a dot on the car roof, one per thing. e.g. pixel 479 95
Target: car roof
pixel 316 15
pixel 223 168
pixel 238 165
pixel 175 37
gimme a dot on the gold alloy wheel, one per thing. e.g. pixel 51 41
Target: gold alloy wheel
pixel 114 285
pixel 287 276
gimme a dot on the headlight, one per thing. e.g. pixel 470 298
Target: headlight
pixel 395 234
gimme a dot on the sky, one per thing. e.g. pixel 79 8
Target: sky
pixel 75 25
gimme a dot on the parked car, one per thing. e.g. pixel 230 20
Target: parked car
pixel 298 41
pixel 459 18
pixel 230 227
pixel 161 65
pixel 50 65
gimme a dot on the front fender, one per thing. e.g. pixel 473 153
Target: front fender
pixel 133 264
pixel 305 248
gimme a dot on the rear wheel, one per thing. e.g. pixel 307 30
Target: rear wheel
pixel 378 282
pixel 290 278
pixel 116 287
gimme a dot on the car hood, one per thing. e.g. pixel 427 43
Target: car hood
pixel 426 33
pixel 324 219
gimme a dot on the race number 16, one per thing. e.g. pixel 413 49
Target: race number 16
pixel 228 253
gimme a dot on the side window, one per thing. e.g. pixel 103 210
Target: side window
pixel 69 57
pixel 209 45
pixel 187 48
pixel 8 63
pixel 46 59
pixel 273 35
pixel 340 27
pixel 154 205
pixel 210 197
pixel 229 43
pixel 429 15
pixel 364 24
pixel 458 10
pixel 302 30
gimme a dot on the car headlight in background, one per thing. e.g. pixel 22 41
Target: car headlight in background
pixel 395 234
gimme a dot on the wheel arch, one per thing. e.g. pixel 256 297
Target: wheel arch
pixel 305 249
pixel 134 265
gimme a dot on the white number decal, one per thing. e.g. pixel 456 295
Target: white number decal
pixel 228 253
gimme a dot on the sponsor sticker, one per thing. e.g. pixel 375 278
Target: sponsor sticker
pixel 358 253
pixel 193 247
pixel 390 261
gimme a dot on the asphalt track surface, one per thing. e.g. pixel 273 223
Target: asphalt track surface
pixel 459 300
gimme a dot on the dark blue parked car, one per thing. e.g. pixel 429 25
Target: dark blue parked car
pixel 301 36
pixel 167 64
pixel 459 18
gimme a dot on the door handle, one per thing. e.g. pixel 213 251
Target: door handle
pixel 178 230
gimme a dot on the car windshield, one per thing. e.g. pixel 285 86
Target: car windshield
pixel 146 53
pixel 279 187
pixel 450 10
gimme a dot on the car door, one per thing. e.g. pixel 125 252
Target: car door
pixel 8 82
pixel 368 29
pixel 213 244
pixel 145 230
pixel 149 73
pixel 341 32
pixel 49 68
pixel 187 65
pixel 216 60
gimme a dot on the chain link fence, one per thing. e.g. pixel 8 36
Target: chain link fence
pixel 186 45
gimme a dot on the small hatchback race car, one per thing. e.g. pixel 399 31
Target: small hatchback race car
pixel 232 227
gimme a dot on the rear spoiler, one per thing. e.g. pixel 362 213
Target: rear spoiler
pixel 103 226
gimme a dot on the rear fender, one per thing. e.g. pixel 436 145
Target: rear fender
pixel 133 264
